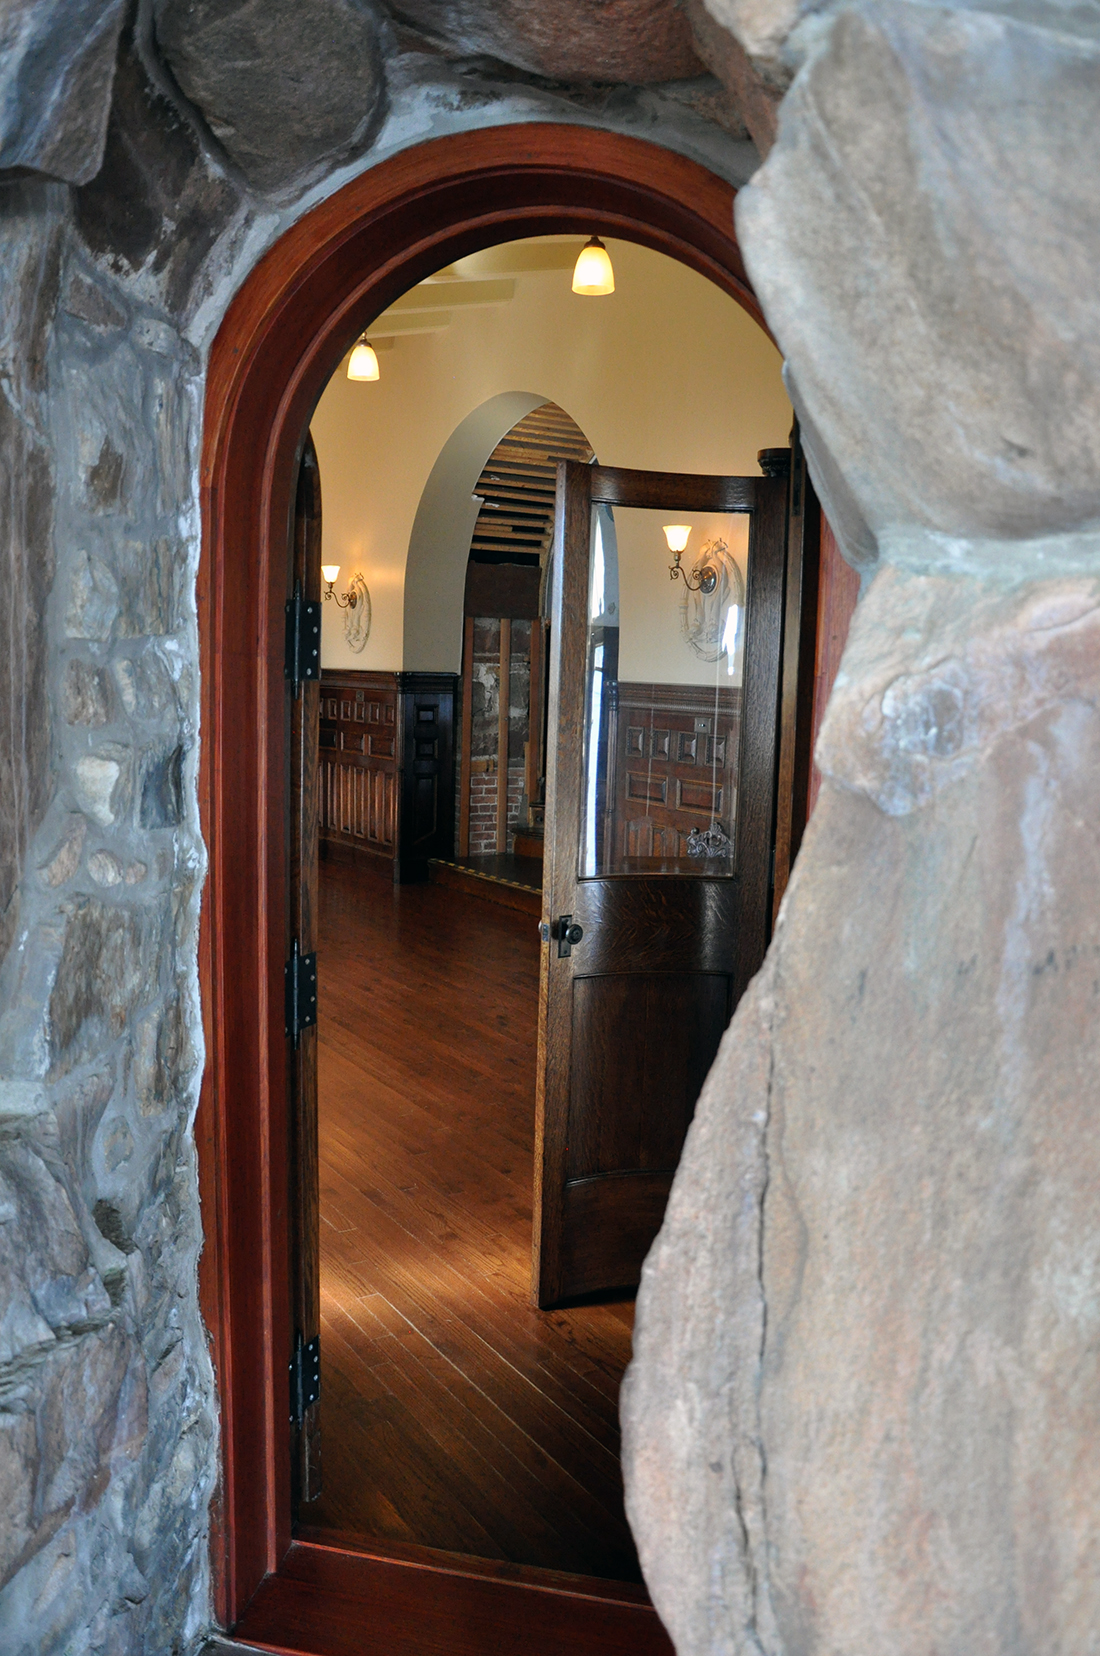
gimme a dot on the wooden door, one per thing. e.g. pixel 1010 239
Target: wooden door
pixel 303 696
pixel 661 779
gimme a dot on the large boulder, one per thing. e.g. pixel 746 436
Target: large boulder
pixel 762 28
pixel 924 240
pixel 288 87
pixel 57 68
pixel 755 98
pixel 864 1411
pixel 863 1416
pixel 632 41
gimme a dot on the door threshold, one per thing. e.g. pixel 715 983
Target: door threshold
pixel 466 1564
pixel 336 1598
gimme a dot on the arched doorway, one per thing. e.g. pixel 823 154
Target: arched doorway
pixel 287 328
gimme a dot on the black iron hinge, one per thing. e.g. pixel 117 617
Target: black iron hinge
pixel 301 992
pixel 303 640
pixel 305 1377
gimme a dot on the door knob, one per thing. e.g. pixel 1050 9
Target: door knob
pixel 568 934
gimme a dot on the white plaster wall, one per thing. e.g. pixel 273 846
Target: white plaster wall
pixel 667 373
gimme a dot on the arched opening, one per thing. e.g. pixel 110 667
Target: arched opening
pixel 284 334
pixel 439 546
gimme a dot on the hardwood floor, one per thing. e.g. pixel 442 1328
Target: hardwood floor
pixel 453 1415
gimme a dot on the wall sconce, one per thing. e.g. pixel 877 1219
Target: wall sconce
pixel 592 273
pixel 350 597
pixel 705 579
pixel 362 364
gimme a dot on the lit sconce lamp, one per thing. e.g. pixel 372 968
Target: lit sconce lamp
pixel 703 580
pixel 349 599
pixel 363 364
pixel 592 273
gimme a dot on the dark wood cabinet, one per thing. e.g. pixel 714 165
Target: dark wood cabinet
pixel 386 767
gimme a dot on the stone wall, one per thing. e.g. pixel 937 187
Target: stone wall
pixel 863 1416
pixel 148 186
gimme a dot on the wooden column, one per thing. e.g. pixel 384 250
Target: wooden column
pixel 503 707
pixel 534 716
pixel 467 737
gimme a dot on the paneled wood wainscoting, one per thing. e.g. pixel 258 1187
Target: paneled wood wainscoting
pixel 386 768
pixel 453 1415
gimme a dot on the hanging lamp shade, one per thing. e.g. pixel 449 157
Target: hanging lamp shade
pixel 592 274
pixel 363 364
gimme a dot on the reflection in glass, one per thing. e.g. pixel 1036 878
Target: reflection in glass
pixel 665 662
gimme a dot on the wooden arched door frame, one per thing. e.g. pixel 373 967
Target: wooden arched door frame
pixel 283 335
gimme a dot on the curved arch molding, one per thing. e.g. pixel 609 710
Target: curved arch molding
pixel 439 544
pixel 291 321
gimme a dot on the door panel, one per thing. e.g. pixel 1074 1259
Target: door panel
pixel 608 1226
pixel 660 808
pixel 650 1039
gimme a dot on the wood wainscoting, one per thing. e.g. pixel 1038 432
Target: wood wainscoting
pixel 386 767
pixel 676 749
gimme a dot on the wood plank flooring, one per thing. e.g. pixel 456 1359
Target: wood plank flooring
pixel 453 1415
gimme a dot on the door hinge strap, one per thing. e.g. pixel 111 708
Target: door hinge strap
pixel 300 973
pixel 305 1377
pixel 303 640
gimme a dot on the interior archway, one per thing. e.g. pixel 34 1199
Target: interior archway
pixel 292 320
pixel 439 545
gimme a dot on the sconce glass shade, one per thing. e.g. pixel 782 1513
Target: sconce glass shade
pixel 592 273
pixel 676 534
pixel 330 572
pixel 363 364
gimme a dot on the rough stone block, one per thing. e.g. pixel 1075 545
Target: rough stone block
pixel 162 789
pixel 923 238
pixel 91 303
pixel 146 588
pixel 106 971
pixel 57 67
pixel 864 1410
pixel 93 599
pixel 158 204
pixel 105 868
pixel 85 694
pixel 63 863
pixel 96 779
pixel 47 1282
pixel 104 480
pixel 755 99
pixel 72 1419
pixel 631 41
pixel 162 1057
pixel 761 28
pixel 286 86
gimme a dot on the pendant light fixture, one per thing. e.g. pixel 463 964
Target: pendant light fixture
pixel 363 364
pixel 592 274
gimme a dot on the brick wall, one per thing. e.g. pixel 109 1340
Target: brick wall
pixel 486 696
pixel 483 808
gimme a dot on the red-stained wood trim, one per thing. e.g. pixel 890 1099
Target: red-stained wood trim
pixel 838 594
pixel 284 333
pixel 437 1606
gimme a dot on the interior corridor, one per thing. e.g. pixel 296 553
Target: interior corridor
pixel 453 1415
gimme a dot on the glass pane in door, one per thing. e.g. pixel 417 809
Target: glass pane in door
pixel 664 670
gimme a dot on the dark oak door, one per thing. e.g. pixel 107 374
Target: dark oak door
pixel 661 775
pixel 303 699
